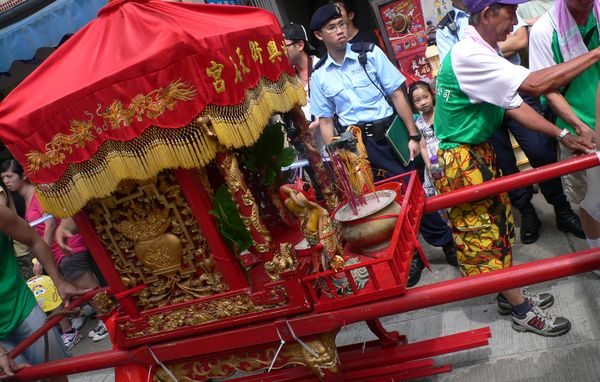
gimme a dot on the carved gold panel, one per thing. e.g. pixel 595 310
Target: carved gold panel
pixel 207 311
pixel 324 357
pixel 153 239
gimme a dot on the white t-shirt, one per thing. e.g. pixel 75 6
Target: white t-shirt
pixel 485 76
pixel 540 43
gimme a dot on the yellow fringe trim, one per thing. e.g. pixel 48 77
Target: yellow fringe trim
pixel 192 146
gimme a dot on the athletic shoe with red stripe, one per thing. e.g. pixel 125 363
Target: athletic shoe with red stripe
pixel 539 322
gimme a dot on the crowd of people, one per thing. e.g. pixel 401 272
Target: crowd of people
pixel 483 92
pixel 51 247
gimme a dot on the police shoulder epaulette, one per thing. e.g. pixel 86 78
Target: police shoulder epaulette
pixel 447 19
pixel 362 46
pixel 320 62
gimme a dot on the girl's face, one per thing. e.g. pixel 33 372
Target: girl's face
pixel 12 181
pixel 423 100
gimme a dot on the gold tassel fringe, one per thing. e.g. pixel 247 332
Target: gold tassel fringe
pixel 157 149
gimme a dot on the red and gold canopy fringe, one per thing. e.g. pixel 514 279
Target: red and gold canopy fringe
pixel 191 146
pixel 146 86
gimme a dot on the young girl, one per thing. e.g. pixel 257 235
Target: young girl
pixel 422 98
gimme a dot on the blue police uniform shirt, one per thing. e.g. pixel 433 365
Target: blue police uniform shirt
pixel 347 91
pixel 445 39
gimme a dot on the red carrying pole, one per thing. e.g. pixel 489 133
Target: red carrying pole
pixel 52 322
pixel 511 182
pixel 261 333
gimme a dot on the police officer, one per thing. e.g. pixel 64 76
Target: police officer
pixel 451 28
pixel 352 82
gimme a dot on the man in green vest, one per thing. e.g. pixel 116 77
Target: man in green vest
pixel 20 314
pixel 475 89
pixel 568 30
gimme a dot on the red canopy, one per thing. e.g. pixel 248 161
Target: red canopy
pixel 147 85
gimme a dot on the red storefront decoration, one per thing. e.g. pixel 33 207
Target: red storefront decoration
pixel 405 35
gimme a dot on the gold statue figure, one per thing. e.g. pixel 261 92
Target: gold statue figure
pixel 317 227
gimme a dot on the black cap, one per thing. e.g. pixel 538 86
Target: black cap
pixel 323 15
pixel 294 32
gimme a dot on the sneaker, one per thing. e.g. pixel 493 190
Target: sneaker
pixel 71 338
pixel 99 332
pixel 78 322
pixel 542 300
pixel 539 322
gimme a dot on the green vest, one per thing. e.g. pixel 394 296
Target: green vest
pixel 16 301
pixel 457 120
pixel 581 94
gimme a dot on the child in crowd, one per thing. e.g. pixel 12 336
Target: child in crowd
pixel 74 266
pixel 422 98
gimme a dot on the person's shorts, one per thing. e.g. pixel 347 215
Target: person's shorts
pixel 35 353
pixel 591 202
pixel 74 266
pixel 574 184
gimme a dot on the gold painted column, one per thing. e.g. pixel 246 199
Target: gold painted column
pixel 247 206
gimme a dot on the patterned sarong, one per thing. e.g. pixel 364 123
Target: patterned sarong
pixel 483 230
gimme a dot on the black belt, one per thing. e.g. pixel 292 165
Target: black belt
pixel 376 128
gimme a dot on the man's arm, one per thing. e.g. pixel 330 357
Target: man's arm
pixel 405 113
pixel 545 80
pixel 514 43
pixel 529 118
pixel 327 130
pixel 18 229
pixel 561 107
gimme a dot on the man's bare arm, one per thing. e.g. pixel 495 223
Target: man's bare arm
pixel 561 107
pixel 545 80
pixel 327 130
pixel 514 42
pixel 529 118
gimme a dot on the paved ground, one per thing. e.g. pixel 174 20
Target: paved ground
pixel 511 356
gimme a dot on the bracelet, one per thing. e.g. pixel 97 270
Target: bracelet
pixel 4 354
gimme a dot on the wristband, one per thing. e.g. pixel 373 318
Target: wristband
pixel 416 137
pixel 563 133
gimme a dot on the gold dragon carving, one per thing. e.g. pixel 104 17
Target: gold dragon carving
pixel 234 180
pixel 151 105
pixel 323 356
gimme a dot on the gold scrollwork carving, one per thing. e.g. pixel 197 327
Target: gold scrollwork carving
pixel 103 302
pixel 153 238
pixel 202 313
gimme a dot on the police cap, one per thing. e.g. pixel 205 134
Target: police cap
pixel 323 15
